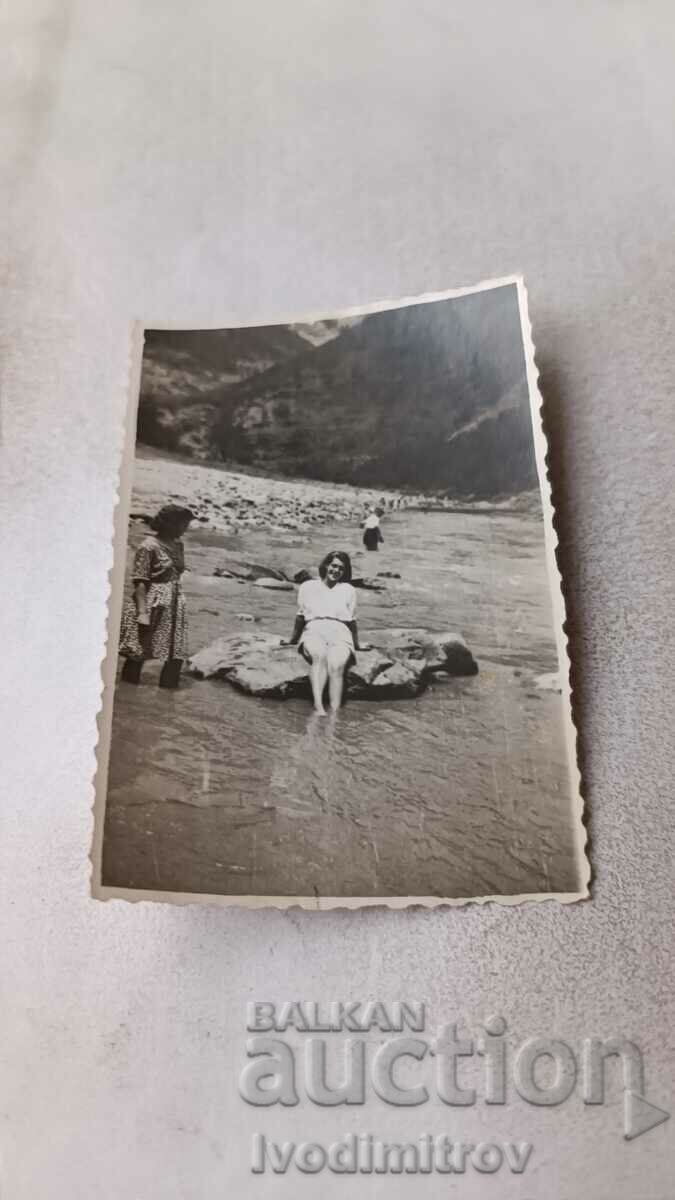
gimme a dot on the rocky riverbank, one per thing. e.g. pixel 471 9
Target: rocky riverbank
pixel 231 502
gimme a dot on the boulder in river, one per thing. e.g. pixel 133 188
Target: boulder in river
pixel 550 682
pixel 377 676
pixel 238 568
pixel 398 668
pixel 278 585
pixel 258 664
pixel 255 662
pixel 369 585
pixel 433 652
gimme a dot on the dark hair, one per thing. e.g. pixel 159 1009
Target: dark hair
pixel 344 559
pixel 170 518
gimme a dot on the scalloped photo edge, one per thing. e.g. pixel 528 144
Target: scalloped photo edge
pixel 113 883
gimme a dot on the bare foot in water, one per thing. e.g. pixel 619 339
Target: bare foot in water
pixel 320 712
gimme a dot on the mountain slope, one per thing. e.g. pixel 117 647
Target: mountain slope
pixel 186 374
pixel 430 396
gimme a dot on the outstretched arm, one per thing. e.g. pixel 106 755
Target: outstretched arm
pixel 300 623
pixel 351 625
pixel 142 573
pixel 140 597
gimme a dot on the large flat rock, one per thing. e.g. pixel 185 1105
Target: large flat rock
pixel 257 663
pixel 239 568
pixel 398 667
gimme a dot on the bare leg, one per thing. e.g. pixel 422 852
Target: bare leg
pixel 318 672
pixel 337 661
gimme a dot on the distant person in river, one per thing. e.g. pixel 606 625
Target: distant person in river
pixel 372 534
pixel 154 622
pixel 325 630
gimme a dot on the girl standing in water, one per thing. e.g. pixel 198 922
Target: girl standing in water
pixel 154 623
pixel 325 628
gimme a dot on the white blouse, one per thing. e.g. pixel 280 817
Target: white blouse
pixel 316 600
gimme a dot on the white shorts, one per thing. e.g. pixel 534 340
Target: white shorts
pixel 330 632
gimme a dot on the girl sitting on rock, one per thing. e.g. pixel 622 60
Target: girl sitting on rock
pixel 325 628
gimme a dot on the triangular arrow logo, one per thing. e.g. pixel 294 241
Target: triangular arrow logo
pixel 639 1115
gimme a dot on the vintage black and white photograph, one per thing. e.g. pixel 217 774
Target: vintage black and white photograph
pixel 336 666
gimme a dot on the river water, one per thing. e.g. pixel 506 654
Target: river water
pixel 461 792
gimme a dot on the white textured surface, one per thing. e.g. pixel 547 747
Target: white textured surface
pixel 254 161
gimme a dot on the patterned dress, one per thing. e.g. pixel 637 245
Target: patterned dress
pixel 159 565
